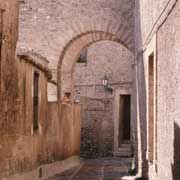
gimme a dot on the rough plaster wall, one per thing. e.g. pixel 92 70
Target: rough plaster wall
pixel 27 150
pixel 141 123
pixel 70 129
pixel 45 26
pixel 9 92
pixel 149 12
pixel 8 64
pixel 31 149
pixel 115 61
pixel 168 97
pixel 146 13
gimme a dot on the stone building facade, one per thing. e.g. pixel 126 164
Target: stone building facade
pixel 30 136
pixel 57 23
pixel 109 59
pixel 59 31
pixel 69 27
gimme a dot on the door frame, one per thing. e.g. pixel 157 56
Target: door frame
pixel 116 114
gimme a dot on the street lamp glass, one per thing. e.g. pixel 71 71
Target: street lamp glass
pixel 105 81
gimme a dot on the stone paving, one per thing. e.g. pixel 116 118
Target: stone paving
pixel 98 169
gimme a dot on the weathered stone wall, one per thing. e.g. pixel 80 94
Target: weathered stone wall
pixel 97 132
pixel 104 58
pixel 22 148
pixel 54 140
pixel 56 23
pixel 26 149
pixel 116 62
pixel 70 130
pixel 46 27
pixel 64 28
pixel 8 65
pixel 9 92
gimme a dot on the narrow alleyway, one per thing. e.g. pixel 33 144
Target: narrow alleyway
pixel 98 169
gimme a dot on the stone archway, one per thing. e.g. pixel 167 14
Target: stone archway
pixel 119 32
pixel 87 33
pixel 72 50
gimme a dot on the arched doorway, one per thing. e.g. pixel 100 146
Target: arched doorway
pixel 72 51
pixel 111 60
pixel 65 81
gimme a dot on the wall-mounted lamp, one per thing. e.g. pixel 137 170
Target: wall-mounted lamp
pixel 105 82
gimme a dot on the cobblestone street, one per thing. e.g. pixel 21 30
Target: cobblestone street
pixel 98 169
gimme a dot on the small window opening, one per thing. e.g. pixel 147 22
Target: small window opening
pixel 36 101
pixel 83 56
pixel 1 37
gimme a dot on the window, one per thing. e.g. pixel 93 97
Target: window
pixel 83 56
pixel 1 36
pixel 1 25
pixel 36 101
pixel 151 104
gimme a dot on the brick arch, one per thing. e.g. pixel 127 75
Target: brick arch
pixel 71 52
pixel 97 22
pixel 84 34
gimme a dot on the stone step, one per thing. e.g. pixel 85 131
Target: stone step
pixel 126 142
pixel 126 145
pixel 124 151
pixel 122 154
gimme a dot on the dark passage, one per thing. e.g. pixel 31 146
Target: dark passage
pixel 176 165
pixel 125 119
pixel 36 101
